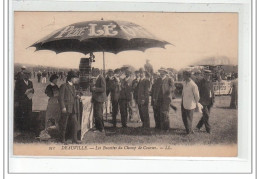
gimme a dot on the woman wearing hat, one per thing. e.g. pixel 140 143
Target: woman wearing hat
pixel 53 108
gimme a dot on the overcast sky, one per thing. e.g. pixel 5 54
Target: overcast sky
pixel 195 36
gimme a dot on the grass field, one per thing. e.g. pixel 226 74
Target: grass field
pixel 223 121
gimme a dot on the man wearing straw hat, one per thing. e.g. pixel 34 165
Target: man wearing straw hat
pixel 161 99
pixel 98 90
pixel 143 99
pixel 207 99
pixel 115 93
pixel 190 100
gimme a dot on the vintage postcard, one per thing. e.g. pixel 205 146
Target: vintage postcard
pixel 125 84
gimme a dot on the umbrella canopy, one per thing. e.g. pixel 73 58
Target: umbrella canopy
pixel 99 36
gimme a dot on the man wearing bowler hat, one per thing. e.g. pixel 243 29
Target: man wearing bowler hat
pixel 98 89
pixel 69 107
pixel 143 99
pixel 207 99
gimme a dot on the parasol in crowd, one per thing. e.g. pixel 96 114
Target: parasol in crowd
pixel 100 36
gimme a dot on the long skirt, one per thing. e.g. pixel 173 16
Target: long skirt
pixel 53 112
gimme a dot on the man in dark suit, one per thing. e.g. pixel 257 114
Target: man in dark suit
pixel 115 92
pixel 156 107
pixel 162 93
pixel 143 99
pixel 135 85
pixel 98 89
pixel 23 101
pixel 109 81
pixel 207 99
pixel 125 97
pixel 69 107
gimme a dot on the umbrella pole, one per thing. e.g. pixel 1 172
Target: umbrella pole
pixel 104 69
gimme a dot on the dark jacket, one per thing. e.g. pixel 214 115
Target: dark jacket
pixel 109 85
pixel 68 98
pixel 143 91
pixel 49 91
pixel 135 84
pixel 205 88
pixel 115 89
pixel 167 88
pixel 125 92
pixel 20 89
pixel 99 95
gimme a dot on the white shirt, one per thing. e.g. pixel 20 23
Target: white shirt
pixel 190 95
pixel 164 77
pixel 71 84
pixel 118 79
pixel 142 79
pixel 26 82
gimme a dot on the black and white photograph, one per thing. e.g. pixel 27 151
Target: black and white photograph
pixel 125 84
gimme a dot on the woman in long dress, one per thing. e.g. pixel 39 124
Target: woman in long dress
pixel 53 108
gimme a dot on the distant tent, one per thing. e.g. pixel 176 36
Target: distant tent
pixel 214 61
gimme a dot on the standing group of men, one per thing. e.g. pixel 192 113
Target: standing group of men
pixel 123 90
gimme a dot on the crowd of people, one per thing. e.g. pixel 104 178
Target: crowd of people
pixel 146 88
pixel 43 75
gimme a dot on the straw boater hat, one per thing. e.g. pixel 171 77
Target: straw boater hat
pixel 141 70
pixel 127 72
pixel 186 72
pixel 163 70
pixel 137 71
pixel 207 71
pixel 110 71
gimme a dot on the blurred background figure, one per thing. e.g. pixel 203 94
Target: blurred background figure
pixel 44 77
pixel 149 68
pixel 39 75
pixel 234 94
